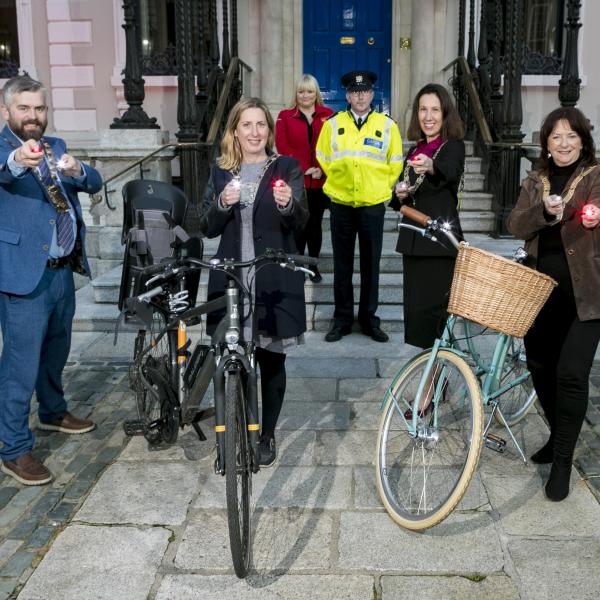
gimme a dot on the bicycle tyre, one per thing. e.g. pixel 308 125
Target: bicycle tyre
pixel 159 420
pixel 515 402
pixel 454 423
pixel 238 473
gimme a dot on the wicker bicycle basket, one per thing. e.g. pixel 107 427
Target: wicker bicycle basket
pixel 497 292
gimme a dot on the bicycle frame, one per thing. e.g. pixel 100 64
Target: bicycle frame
pixel 491 373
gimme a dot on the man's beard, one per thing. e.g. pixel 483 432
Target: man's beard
pixel 28 134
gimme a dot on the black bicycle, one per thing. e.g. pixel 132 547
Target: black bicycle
pixel 170 381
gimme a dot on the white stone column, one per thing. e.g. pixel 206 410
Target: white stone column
pixel 423 45
pixel 271 53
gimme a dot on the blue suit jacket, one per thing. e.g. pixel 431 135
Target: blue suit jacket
pixel 27 218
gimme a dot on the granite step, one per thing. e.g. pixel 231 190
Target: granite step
pixel 106 288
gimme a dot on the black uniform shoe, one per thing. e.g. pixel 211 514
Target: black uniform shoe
pixel 336 332
pixel 267 452
pixel 375 333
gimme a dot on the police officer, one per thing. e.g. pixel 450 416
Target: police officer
pixel 360 151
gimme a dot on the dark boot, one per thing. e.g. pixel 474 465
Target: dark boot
pixel 545 454
pixel 557 486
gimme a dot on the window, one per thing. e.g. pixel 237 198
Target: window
pixel 157 33
pixel 9 39
pixel 543 48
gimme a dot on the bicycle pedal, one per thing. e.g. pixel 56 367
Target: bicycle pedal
pixel 134 427
pixel 495 443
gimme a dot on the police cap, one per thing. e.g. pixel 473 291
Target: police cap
pixel 359 81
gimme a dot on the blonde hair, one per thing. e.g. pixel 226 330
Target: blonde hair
pixel 231 153
pixel 307 83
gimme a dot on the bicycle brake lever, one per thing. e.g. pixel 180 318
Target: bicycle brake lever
pixel 295 267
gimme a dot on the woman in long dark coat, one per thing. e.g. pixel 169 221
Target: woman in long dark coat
pixel 430 182
pixel 250 214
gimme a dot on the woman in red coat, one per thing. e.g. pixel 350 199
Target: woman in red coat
pixel 296 133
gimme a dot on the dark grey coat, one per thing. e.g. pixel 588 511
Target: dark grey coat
pixel 280 307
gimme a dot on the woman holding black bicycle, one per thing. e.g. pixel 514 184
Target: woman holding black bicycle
pixel 255 200
pixel 430 182
pixel 558 213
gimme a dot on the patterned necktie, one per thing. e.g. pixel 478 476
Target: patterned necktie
pixel 64 223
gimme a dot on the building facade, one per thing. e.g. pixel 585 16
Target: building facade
pixel 77 47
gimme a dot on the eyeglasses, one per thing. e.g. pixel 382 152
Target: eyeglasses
pixel 360 93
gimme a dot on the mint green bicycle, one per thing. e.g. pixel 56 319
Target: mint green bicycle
pixel 432 427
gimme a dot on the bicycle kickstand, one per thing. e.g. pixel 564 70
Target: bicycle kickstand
pixel 495 442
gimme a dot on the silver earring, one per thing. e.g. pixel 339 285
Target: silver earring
pixel 549 155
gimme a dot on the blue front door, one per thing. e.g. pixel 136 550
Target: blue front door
pixel 342 36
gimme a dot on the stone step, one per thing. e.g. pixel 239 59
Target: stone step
pixel 101 316
pixel 106 288
pixel 103 242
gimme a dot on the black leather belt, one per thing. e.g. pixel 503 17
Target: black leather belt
pixel 58 263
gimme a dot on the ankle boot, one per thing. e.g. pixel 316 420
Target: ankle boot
pixel 545 454
pixel 557 486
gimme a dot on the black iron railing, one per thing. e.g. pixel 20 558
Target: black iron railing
pixel 486 81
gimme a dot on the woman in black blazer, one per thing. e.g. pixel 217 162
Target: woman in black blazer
pixel 242 205
pixel 430 182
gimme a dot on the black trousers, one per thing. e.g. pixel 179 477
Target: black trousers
pixel 312 234
pixel 560 352
pixel 346 224
pixel 273 382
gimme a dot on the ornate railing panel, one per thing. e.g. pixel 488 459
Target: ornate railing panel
pixel 487 88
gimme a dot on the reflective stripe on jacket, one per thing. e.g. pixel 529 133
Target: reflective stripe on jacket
pixel 361 165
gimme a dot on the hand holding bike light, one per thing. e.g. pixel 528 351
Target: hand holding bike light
pixel 590 216
pixel 282 193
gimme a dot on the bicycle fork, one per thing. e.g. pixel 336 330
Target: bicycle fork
pixel 242 365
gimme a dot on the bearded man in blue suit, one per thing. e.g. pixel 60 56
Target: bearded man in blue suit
pixel 42 241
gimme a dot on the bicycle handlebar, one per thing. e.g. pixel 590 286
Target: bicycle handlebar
pixel 430 227
pixel 416 215
pixel 170 268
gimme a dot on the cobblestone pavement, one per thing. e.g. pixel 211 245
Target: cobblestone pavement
pixel 122 522
pixel 32 517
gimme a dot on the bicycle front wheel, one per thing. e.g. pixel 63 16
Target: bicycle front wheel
pixel 516 401
pixel 423 474
pixel 238 473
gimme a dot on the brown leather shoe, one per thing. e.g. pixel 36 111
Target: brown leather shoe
pixel 68 424
pixel 27 470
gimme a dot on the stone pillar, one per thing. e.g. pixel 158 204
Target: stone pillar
pixel 271 60
pixel 422 55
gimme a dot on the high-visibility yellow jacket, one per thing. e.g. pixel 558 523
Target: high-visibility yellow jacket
pixel 361 165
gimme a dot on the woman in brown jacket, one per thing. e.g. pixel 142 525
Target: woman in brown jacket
pixel 558 213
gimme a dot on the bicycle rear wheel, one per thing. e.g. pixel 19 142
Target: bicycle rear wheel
pixel 238 473
pixel 422 475
pixel 152 381
pixel 515 402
